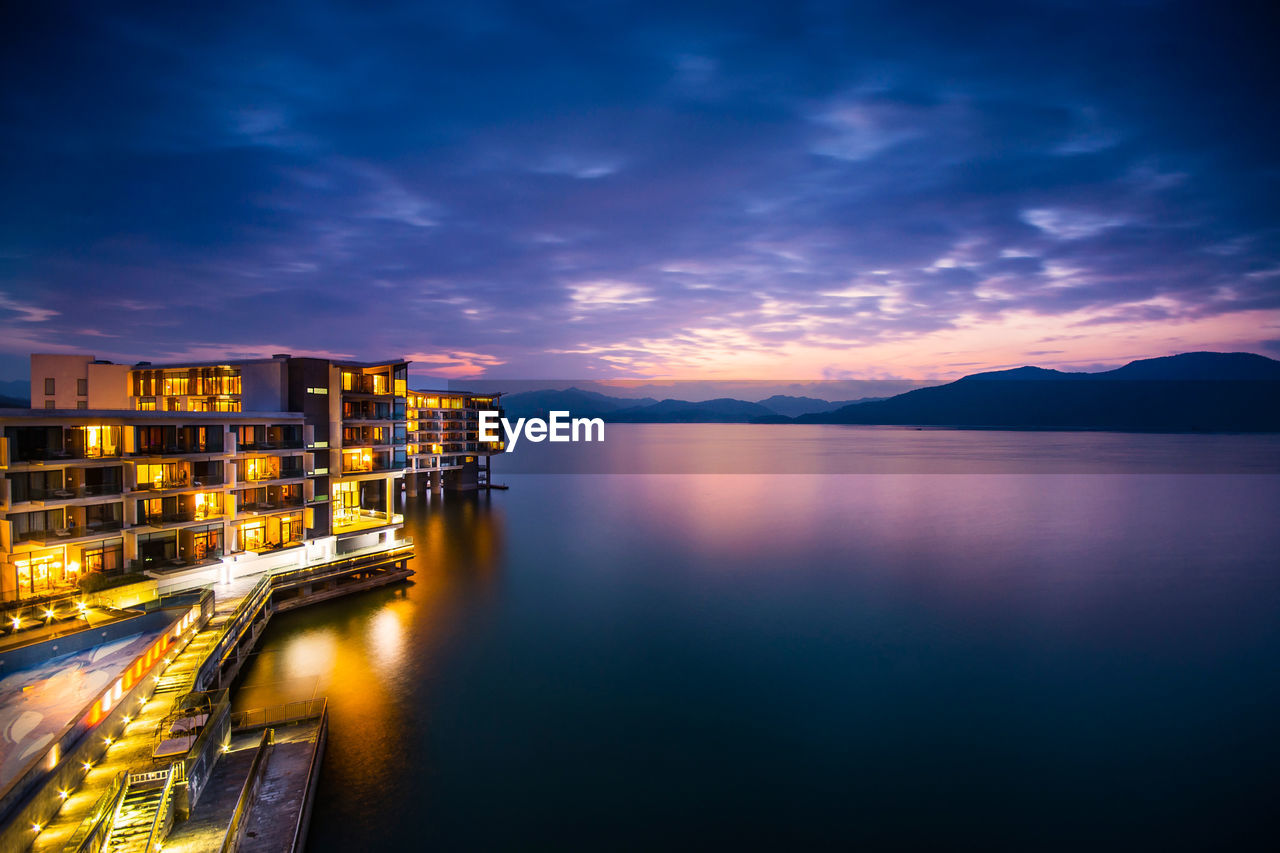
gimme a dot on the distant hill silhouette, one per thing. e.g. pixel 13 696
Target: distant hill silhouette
pixel 591 404
pixel 782 404
pixel 14 403
pixel 721 410
pixel 1198 391
pixel 583 404
pixel 15 389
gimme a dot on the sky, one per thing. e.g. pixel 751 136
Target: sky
pixel 676 190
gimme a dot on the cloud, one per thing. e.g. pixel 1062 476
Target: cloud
pixel 24 312
pixel 784 188
pixel 592 295
pixel 1072 224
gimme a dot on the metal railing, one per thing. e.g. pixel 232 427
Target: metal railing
pixel 164 814
pixel 279 715
pixel 94 823
pixel 239 817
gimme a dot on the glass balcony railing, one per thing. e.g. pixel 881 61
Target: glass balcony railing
pixel 175 449
pixel 274 444
pixel 54 534
pixel 269 504
pixel 67 493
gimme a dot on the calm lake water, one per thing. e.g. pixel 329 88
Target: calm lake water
pixel 1049 659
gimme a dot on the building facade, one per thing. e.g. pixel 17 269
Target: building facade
pixel 115 491
pixel 445 450
pixel 203 470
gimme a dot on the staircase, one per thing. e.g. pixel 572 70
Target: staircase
pixel 143 817
pixel 171 684
pixel 131 829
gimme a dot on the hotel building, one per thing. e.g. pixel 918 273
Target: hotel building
pixel 444 440
pixel 197 472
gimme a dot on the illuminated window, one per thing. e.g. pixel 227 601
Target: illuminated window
pixel 40 572
pixel 100 441
pixel 253 535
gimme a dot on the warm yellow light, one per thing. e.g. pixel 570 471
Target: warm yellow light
pixel 36 828
pixel 64 794
pixel 73 566
pixel 16 622
pixel 87 766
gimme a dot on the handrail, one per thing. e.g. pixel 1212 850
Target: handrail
pixel 300 827
pixel 249 604
pixel 163 821
pixel 88 828
pixel 279 715
pixel 235 829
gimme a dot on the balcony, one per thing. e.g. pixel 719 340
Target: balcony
pixel 56 535
pixel 255 446
pixel 351 519
pixel 368 413
pixel 162 564
pixel 70 493
pixel 163 485
pixel 180 449
pixel 270 505
pixel 357 383
pixel 61 454
pixel 291 473
pixel 186 516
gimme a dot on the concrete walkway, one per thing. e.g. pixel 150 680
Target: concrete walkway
pixel 133 749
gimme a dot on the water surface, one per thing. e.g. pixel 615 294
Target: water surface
pixel 998 660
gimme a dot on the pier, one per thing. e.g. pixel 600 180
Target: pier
pixel 168 764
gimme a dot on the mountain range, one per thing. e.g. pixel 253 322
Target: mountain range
pixel 592 404
pixel 15 393
pixel 1198 391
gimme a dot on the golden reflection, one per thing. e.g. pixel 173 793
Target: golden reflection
pixel 371 654
pixel 387 636
pixel 312 653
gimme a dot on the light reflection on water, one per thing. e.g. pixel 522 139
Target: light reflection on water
pixel 594 662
